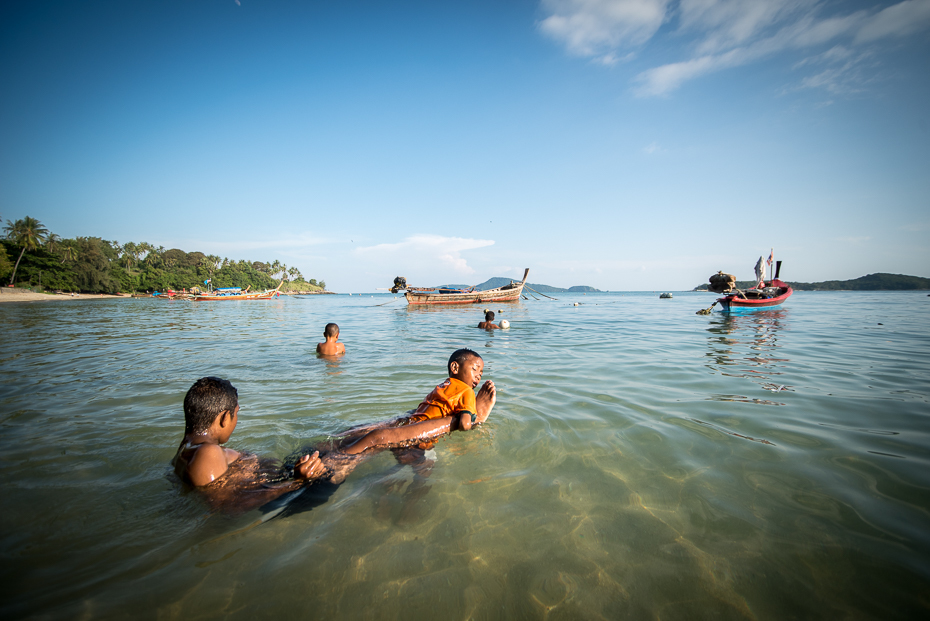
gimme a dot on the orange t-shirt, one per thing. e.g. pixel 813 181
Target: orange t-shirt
pixel 451 397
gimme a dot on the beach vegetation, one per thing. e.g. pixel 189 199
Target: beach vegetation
pixel 6 266
pixel 96 265
pixel 27 234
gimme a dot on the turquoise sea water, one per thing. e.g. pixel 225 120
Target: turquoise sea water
pixel 642 461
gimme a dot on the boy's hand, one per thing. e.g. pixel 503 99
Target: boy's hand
pixel 309 467
pixel 485 400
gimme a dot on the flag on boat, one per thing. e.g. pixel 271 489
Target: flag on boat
pixel 207 281
pixel 760 270
pixel 771 258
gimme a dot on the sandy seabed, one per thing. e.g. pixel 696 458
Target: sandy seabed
pixel 24 295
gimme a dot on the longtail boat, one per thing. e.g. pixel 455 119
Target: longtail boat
pixel 236 293
pixel 763 295
pixel 441 295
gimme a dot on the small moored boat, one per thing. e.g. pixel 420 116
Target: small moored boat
pixel 765 294
pixel 236 293
pixel 441 295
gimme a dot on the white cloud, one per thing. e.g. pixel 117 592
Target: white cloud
pixel 652 148
pixel 899 20
pixel 597 28
pixel 728 33
pixel 428 249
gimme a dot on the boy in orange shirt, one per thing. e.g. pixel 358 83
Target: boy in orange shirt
pixel 330 347
pixel 449 406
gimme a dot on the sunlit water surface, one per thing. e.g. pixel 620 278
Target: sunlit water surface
pixel 642 461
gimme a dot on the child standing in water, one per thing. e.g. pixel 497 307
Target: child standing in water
pixel 211 413
pixel 331 347
pixel 488 323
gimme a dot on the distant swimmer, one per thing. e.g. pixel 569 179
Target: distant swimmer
pixel 331 347
pixel 488 323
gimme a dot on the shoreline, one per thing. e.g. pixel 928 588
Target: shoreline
pixel 25 295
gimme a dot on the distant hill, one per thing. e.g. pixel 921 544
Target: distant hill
pixel 870 282
pixel 494 283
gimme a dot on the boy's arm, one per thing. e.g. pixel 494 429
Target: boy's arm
pixel 208 464
pixel 487 397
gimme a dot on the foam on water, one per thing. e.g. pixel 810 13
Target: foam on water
pixel 642 461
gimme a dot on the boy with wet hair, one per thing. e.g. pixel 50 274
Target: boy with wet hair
pixel 449 406
pixel 330 347
pixel 488 323
pixel 211 412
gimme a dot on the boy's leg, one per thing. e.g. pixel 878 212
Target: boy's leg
pixel 400 435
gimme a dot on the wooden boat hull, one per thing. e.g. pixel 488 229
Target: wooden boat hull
pixel 507 293
pixel 733 301
pixel 265 295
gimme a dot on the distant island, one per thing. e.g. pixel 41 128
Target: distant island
pixel 870 282
pixel 498 281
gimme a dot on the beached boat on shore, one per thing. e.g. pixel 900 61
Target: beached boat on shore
pixel 236 293
pixel 436 295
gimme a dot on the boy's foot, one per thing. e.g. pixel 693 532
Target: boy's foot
pixel 485 400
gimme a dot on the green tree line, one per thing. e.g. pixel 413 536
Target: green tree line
pixel 32 256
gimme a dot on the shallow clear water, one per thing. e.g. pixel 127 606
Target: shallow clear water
pixel 641 462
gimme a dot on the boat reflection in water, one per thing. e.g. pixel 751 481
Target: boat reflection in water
pixel 746 346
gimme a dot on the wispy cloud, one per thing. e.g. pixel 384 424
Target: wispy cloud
pixel 426 249
pixel 652 148
pixel 728 33
pixel 598 28
pixel 237 247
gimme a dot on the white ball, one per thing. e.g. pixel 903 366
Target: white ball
pixel 505 324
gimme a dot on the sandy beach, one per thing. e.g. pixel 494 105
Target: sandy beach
pixel 25 295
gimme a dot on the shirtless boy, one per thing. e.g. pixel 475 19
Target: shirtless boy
pixel 211 412
pixel 448 407
pixel 331 347
pixel 488 323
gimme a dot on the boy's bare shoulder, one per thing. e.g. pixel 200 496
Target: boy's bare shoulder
pixel 205 464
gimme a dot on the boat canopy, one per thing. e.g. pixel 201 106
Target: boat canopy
pixel 231 289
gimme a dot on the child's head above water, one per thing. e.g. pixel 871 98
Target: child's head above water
pixel 206 399
pixel 489 316
pixel 331 331
pixel 467 366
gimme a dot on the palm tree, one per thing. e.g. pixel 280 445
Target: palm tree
pixel 69 253
pixel 129 250
pixel 52 242
pixel 28 233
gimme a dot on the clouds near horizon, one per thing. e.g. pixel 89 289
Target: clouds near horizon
pixel 721 34
pixel 428 249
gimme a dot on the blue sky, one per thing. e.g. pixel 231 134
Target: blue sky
pixel 622 144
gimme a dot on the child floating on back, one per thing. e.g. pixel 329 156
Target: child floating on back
pixel 449 406
pixel 331 347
